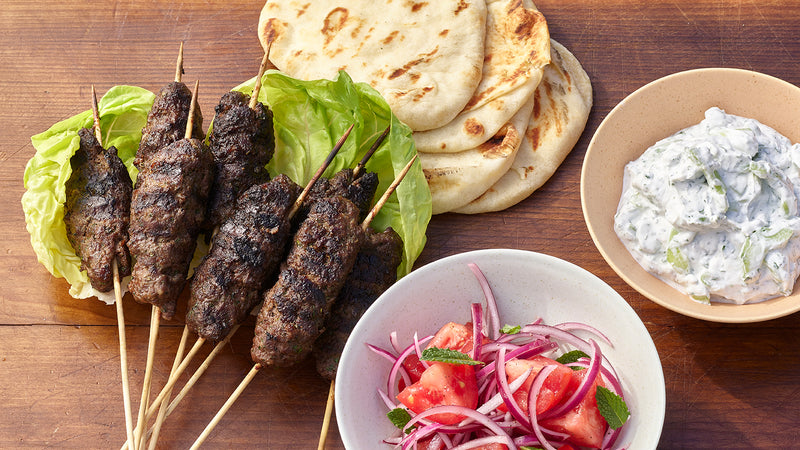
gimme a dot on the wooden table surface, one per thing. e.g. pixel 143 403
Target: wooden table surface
pixel 728 386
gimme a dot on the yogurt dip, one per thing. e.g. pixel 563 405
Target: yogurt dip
pixel 713 210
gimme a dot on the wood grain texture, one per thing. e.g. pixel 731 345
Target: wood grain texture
pixel 728 385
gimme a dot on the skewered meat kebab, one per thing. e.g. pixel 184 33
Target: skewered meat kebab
pixel 168 209
pixel 374 271
pixel 97 215
pixel 242 141
pixel 298 283
pixel 242 252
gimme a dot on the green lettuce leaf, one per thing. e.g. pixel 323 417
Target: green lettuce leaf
pixel 123 113
pixel 310 116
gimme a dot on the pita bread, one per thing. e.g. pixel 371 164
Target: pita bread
pixel 517 50
pixel 425 58
pixel 563 101
pixel 456 179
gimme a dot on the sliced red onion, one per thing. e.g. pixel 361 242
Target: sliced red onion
pixel 395 343
pixel 505 392
pixel 477 331
pixel 391 386
pixel 497 400
pixel 390 404
pixel 610 438
pixel 475 443
pixel 462 411
pixel 491 302
pixel 591 373
pixel 533 395
pixel 418 349
pixel 613 383
pixel 569 326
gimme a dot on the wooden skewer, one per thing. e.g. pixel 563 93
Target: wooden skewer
pixel 370 152
pixel 257 88
pixel 326 421
pixel 123 346
pixel 179 65
pixel 364 225
pixel 257 367
pixel 162 410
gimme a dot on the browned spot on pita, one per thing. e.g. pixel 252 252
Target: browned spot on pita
pixel 414 76
pixel 502 144
pixel 533 137
pixel 388 39
pixel 462 5
pixel 440 178
pixel 443 33
pixel 303 9
pixel 473 127
pixel 334 22
pixel 415 7
pixel 273 29
pixel 537 104
pixel 425 58
pixel 444 145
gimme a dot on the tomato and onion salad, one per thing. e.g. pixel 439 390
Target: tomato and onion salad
pixel 503 390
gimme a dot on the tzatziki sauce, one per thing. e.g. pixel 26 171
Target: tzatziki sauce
pixel 713 210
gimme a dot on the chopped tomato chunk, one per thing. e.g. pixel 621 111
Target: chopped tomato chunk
pixel 553 389
pixel 442 384
pixel 584 423
pixel 453 336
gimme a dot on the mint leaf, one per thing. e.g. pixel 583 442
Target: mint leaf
pixel 612 407
pixel 508 329
pixel 571 357
pixel 448 356
pixel 525 447
pixel 400 417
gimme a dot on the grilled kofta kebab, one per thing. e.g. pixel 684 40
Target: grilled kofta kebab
pixel 374 271
pixel 168 208
pixel 97 211
pixel 97 217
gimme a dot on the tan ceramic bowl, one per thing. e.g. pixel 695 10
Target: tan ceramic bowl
pixel 656 111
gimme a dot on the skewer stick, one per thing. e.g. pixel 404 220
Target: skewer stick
pixel 257 88
pixel 179 65
pixel 385 197
pixel 162 411
pixel 155 321
pixel 301 198
pixel 191 382
pixel 326 421
pixel 364 225
pixel 210 427
pixel 368 155
pixel 123 346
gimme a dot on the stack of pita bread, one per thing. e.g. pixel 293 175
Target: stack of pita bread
pixel 495 104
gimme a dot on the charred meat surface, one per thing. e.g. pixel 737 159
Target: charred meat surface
pixel 97 211
pixel 245 255
pixel 360 191
pixel 295 308
pixel 242 141
pixel 168 208
pixel 166 121
pixel 374 271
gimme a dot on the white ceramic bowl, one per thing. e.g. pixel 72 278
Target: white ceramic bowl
pixel 658 110
pixel 527 286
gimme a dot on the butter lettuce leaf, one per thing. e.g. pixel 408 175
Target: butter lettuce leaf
pixel 310 116
pixel 123 113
